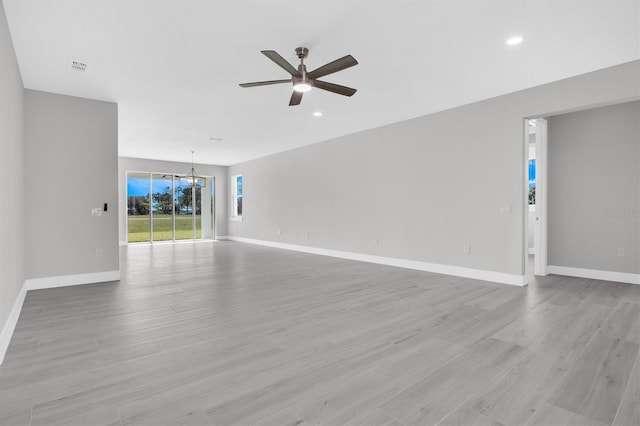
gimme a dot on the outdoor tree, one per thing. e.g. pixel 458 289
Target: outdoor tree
pixel 138 205
pixel 532 195
pixel 184 200
pixel 162 201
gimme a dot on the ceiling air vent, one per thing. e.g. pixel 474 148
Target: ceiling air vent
pixel 78 66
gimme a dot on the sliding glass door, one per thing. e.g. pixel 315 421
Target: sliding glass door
pixel 207 211
pixel 184 212
pixel 164 207
pixel 138 219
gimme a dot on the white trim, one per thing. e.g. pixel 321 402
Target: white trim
pixel 68 280
pixel 234 197
pixel 123 243
pixel 518 280
pixel 221 237
pixel 11 322
pixel 595 274
pixel 540 225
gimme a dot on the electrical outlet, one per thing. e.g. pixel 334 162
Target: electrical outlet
pixel 621 252
pixel 279 232
pixel 306 235
pixel 98 252
pixel 505 209
pixel 96 211
pixel 376 241
pixel 466 249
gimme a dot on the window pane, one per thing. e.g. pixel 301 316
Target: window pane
pixel 532 169
pixel 198 207
pixel 532 181
pixel 237 208
pixel 183 209
pixel 162 206
pixel 138 226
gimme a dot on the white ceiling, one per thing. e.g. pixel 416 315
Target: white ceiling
pixel 173 66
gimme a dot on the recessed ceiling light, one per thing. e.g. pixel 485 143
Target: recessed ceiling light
pixel 514 40
pixel 215 139
pixel 317 114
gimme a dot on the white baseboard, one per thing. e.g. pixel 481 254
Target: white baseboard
pixel 10 325
pixel 123 243
pixel 68 280
pixel 221 237
pixel 595 274
pixel 478 274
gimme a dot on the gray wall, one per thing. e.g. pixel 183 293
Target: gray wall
pixel 594 200
pixel 424 187
pixel 126 164
pixel 71 166
pixel 11 154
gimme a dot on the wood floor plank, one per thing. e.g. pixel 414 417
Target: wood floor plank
pixel 15 415
pixel 629 410
pixel 531 327
pixel 466 416
pixel 551 415
pixel 229 333
pixel 572 334
pixel 430 400
pixel 516 395
pixel 624 323
pixel 374 417
pixel 594 386
pixel 343 400
pixel 97 417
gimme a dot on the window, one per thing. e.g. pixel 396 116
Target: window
pixel 236 190
pixel 532 181
pixel 164 207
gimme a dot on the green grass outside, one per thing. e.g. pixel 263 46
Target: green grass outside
pixel 139 227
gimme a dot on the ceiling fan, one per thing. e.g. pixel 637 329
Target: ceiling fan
pixel 304 81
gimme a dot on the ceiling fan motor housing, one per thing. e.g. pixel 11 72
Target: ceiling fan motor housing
pixel 302 69
pixel 302 52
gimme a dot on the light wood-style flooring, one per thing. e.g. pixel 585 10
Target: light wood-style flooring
pixel 225 333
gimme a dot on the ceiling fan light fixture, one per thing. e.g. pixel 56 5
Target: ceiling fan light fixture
pixel 514 41
pixel 302 87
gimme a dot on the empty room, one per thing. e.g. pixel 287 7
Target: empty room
pixel 343 213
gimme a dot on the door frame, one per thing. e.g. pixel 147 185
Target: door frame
pixel 541 223
pixel 540 226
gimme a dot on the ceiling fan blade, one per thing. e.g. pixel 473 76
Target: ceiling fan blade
pixel 335 88
pixel 296 98
pixel 264 83
pixel 335 66
pixel 281 62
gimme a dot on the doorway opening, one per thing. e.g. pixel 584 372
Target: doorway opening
pixel 535 211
